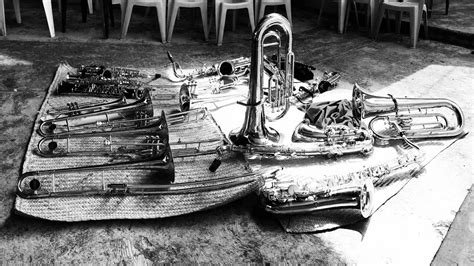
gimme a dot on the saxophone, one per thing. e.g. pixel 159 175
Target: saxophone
pixel 296 195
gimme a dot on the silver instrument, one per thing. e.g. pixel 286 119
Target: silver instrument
pixel 337 140
pixel 254 132
pixel 255 138
pixel 408 118
pixel 295 194
pixel 83 117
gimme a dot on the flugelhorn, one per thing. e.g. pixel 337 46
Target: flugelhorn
pixel 408 118
pixel 277 29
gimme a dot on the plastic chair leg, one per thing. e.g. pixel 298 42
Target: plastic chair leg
pixel 204 22
pixel 342 6
pixel 126 20
pixel 251 18
pixel 222 17
pixel 172 20
pixel 16 7
pixel 123 7
pixel 217 16
pixel 90 5
pixel 48 10
pixel 3 27
pixel 161 14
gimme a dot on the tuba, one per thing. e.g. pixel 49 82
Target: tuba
pixel 408 118
pixel 277 29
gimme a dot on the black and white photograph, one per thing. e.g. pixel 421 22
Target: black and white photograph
pixel 320 132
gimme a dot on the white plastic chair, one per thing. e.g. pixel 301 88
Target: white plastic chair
pixel 175 5
pixel 160 10
pixel 221 8
pixel 262 4
pixel 416 9
pixel 16 7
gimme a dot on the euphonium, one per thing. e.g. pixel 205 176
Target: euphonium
pixel 408 118
pixel 274 28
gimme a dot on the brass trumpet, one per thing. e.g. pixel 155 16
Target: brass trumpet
pixel 408 118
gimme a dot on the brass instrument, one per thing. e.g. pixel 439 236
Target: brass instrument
pixel 79 116
pixel 83 117
pixel 254 137
pixel 235 67
pixel 197 73
pixel 329 81
pixel 160 165
pixel 136 142
pixel 30 187
pixel 408 118
pixel 294 195
pixel 337 140
pixel 254 131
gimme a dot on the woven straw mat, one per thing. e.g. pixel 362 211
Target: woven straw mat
pixel 131 206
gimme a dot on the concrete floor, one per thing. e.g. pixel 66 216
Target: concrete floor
pixel 235 232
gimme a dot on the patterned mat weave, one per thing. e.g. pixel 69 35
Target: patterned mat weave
pixel 82 208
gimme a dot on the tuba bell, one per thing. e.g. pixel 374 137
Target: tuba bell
pixel 408 118
pixel 277 29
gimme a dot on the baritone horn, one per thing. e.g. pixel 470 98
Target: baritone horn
pixel 272 31
pixel 408 118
